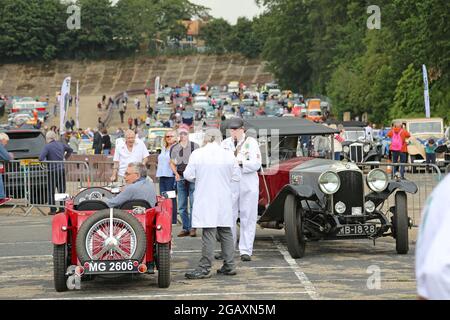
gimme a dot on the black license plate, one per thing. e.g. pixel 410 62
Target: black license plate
pixel 111 266
pixel 357 230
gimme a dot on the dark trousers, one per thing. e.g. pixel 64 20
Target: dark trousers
pixel 431 158
pixel 399 157
pixel 168 184
pixel 56 180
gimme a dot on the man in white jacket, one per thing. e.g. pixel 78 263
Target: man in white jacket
pixel 213 169
pixel 246 191
pixel 433 246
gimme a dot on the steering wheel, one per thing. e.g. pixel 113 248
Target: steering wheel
pixel 95 193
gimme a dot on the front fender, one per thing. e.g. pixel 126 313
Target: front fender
pixel 164 221
pixel 393 185
pixel 402 185
pixel 59 236
pixel 275 211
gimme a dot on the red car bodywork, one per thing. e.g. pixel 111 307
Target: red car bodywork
pixel 159 217
pixel 276 177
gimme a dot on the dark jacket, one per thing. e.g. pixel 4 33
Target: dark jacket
pixel 106 141
pixel 97 144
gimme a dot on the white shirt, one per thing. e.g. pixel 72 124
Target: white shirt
pixel 212 169
pixel 433 245
pixel 369 133
pixel 249 153
pixel 124 157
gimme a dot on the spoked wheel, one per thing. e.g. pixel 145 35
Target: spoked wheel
pixel 102 237
pixel 60 265
pixel 401 223
pixel 163 264
pixel 293 225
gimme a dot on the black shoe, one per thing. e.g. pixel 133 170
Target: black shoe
pixel 198 274
pixel 226 272
pixel 218 256
pixel 246 257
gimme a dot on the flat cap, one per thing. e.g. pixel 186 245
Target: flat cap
pixel 235 123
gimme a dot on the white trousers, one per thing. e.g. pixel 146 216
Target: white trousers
pixel 245 207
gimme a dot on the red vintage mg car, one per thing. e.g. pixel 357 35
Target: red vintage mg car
pixel 89 239
pixel 322 199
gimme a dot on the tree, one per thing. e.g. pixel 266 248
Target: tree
pixel 216 34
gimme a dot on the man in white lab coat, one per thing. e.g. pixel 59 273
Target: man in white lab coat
pixel 246 191
pixel 213 169
pixel 433 246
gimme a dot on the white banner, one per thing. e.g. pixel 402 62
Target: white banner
pixel 77 105
pixel 157 84
pixel 63 103
pixel 426 92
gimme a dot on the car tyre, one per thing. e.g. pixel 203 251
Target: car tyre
pixel 60 265
pixel 293 225
pixel 163 265
pixel 401 223
pixel 141 239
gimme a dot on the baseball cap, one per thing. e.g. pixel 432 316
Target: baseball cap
pixel 235 123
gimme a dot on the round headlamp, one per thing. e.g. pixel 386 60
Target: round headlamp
pixel 329 182
pixel 369 206
pixel 346 149
pixel 366 148
pixel 377 180
pixel 340 207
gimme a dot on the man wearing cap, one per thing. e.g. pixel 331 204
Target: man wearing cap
pixel 213 169
pixel 55 150
pixel 246 191
pixel 179 159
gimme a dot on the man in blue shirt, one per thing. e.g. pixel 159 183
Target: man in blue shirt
pixel 138 187
pixel 55 151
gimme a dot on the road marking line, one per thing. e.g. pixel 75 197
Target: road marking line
pixel 199 251
pixel 310 289
pixel 27 242
pixel 180 295
pixel 25 257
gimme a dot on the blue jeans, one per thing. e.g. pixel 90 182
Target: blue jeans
pixel 185 189
pixel 395 159
pixel 168 184
pixel 337 156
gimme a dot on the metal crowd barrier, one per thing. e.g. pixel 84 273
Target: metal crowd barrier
pixel 426 177
pixel 32 184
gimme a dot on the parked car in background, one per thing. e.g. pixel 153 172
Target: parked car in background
pixel 357 148
pixel 155 138
pixel 422 129
pixel 25 145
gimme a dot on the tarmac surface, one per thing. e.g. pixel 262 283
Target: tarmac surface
pixel 346 270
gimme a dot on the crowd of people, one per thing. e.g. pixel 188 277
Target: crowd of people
pixel 225 170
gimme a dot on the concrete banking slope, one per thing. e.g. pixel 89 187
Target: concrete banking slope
pixel 110 77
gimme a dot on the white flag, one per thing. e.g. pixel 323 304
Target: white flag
pixel 63 103
pixel 157 81
pixel 77 104
pixel 426 92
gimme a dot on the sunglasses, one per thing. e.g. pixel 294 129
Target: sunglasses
pixel 169 137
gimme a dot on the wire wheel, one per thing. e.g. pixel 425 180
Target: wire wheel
pixel 123 239
pixel 100 246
